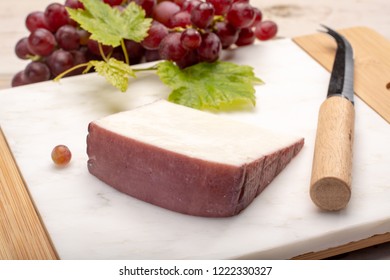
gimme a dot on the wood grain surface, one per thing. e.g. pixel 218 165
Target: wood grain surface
pixel 22 233
pixel 372 63
pixel 330 187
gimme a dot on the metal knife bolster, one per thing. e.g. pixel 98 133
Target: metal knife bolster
pixel 341 80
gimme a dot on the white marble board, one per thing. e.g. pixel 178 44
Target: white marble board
pixel 87 219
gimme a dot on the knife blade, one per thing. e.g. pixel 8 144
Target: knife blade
pixel 331 178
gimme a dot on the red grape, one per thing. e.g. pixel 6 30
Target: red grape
pixel 79 57
pixel 60 61
pixel 221 6
pixel 189 59
pixel 226 33
pixel 258 16
pixel 118 54
pixel 241 15
pixel 36 20
pixel 188 5
pixel 180 19
pixel 147 5
pixel 135 51
pixel 56 16
pixel 202 14
pixel 41 42
pixel 68 38
pixel 210 48
pixel 74 4
pixel 190 39
pixel 84 36
pixel 93 47
pixel 266 30
pixel 152 55
pixel 19 79
pixel 163 11
pixel 61 155
pixel 156 33
pixel 245 37
pixel 179 2
pixel 21 49
pixel 170 47
pixel 37 72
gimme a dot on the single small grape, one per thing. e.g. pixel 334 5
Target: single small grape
pixel 227 33
pixel 266 30
pixel 202 15
pixel 258 16
pixel 188 5
pixel 221 6
pixel 36 20
pixel 61 155
pixel 37 72
pixel 190 39
pixel 79 57
pixel 56 16
pixel 245 37
pixel 170 47
pixel 68 38
pixel 210 48
pixel 41 42
pixel 156 33
pixel 19 79
pixel 180 19
pixel 74 4
pixel 60 61
pixel 241 15
pixel 21 49
pixel 189 59
pixel 163 11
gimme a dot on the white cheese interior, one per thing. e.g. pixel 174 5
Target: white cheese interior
pixel 195 133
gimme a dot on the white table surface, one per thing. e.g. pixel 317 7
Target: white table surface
pixel 294 18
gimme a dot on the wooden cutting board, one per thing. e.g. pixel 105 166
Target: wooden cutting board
pixel 372 63
pixel 22 231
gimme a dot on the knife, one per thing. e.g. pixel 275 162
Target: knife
pixel 330 186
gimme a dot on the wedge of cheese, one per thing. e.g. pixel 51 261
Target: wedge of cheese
pixel 186 160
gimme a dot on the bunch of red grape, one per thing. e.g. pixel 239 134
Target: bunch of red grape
pixel 184 31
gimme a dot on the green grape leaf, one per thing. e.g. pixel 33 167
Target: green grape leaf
pixel 108 25
pixel 115 71
pixel 210 85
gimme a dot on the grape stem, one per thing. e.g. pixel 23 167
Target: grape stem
pixel 102 52
pixel 34 57
pixel 125 51
pixel 218 18
pixel 89 66
pixel 63 74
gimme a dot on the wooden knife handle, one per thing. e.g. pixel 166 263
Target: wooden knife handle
pixel 330 186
